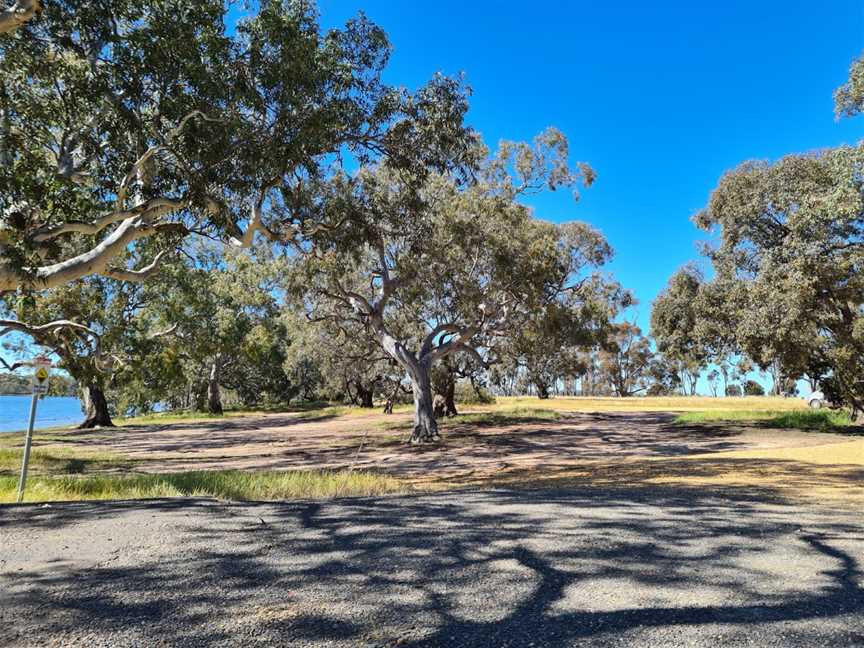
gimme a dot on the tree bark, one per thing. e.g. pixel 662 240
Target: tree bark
pixel 542 390
pixel 96 412
pixel 214 395
pixel 450 398
pixel 425 426
pixel 365 395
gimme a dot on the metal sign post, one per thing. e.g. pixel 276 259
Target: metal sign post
pixel 40 386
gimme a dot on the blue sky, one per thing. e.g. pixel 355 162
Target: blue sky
pixel 660 98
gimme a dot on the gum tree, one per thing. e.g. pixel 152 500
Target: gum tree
pixel 791 251
pixel 626 361
pixel 130 121
pixel 552 342
pixel 434 267
pixel 674 316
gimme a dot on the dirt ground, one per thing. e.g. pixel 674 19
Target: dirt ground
pixel 608 448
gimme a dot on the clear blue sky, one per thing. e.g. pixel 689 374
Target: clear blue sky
pixel 660 98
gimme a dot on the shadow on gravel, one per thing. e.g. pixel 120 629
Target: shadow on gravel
pixel 643 567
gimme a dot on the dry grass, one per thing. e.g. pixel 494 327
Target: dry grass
pixel 221 484
pixel 649 404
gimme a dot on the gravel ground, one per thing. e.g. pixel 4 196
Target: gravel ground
pixel 589 567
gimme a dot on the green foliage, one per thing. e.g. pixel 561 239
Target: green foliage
pixel 466 394
pixel 753 388
pixel 849 98
pixel 135 120
pixel 674 319
pixel 626 359
pixel 788 266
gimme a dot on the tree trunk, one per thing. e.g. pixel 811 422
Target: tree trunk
pixel 425 427
pixel 542 390
pixel 96 412
pixel 364 394
pixel 450 398
pixel 214 395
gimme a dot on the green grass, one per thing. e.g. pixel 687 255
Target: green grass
pixel 822 420
pixel 221 484
pixel 60 461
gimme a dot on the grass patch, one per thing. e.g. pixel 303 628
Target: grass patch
pixel 650 403
pixel 221 484
pixel 821 420
pixel 60 461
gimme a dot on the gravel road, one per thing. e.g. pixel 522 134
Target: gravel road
pixel 645 568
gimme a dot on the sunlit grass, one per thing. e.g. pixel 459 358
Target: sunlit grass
pixel 221 484
pixel 805 419
pixel 647 403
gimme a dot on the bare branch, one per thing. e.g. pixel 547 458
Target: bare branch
pixel 167 331
pixel 149 210
pixel 122 274
pixel 11 367
pixel 38 331
pixel 256 222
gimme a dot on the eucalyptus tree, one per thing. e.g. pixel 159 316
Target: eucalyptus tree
pixel 791 237
pixel 218 323
pixel 551 343
pixel 674 317
pixel 789 260
pixel 626 361
pixel 158 119
pixel 346 361
pixel 84 324
pixel 432 266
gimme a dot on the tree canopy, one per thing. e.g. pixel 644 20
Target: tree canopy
pixel 149 121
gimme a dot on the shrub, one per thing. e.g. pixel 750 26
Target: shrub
pixel 467 395
pixel 753 388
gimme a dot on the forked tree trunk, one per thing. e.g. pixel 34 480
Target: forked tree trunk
pixel 542 390
pixel 214 394
pixel 96 412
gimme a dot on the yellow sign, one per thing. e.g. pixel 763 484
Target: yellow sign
pixel 42 374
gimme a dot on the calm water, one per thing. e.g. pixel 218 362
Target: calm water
pixel 51 412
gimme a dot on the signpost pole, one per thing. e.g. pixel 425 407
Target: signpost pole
pixel 40 386
pixel 27 443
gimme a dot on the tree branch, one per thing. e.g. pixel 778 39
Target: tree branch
pixel 256 222
pixel 148 210
pixel 121 274
pixel 39 331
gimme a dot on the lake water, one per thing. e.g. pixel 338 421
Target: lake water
pixel 51 412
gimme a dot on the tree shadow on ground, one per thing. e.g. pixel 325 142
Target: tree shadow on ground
pixel 572 567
